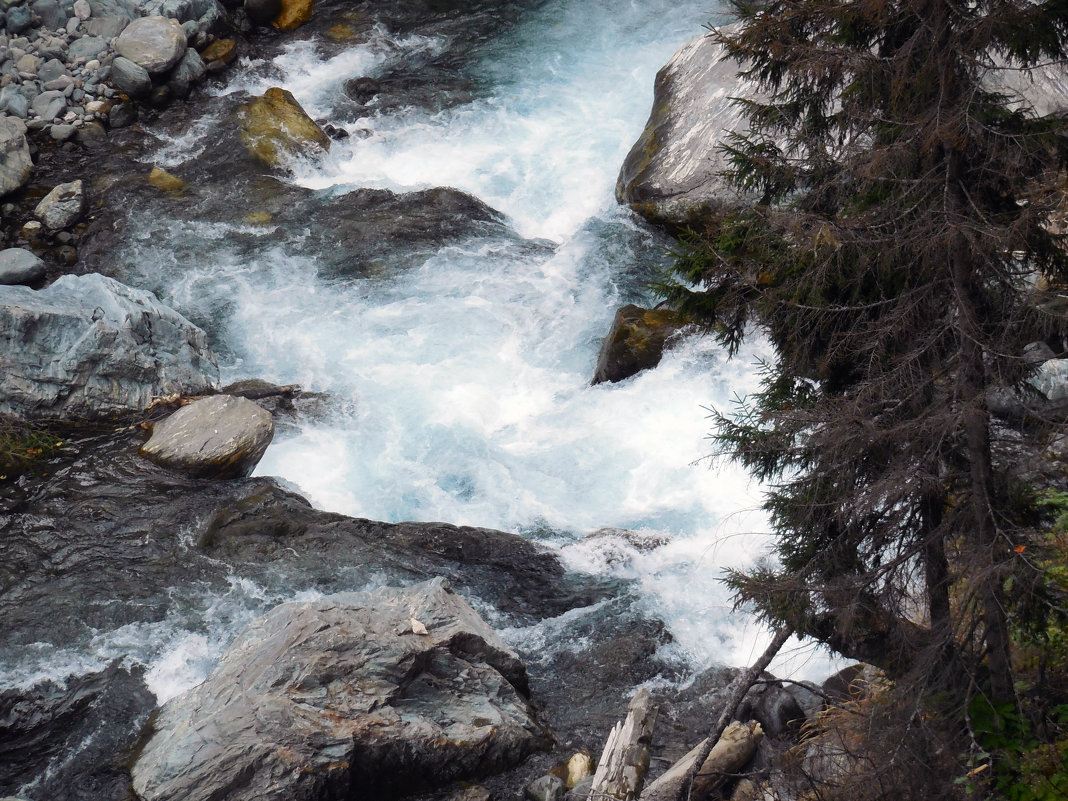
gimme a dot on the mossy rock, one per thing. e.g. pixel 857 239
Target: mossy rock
pixel 275 129
pixel 636 342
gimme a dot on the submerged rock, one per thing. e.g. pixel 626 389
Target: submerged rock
pixel 89 347
pixel 346 697
pixel 635 342
pixel 275 128
pixel 216 437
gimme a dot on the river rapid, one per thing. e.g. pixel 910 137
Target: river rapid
pixel 449 336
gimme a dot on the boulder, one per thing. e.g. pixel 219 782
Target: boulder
pixel 275 128
pixel 635 342
pixel 262 12
pixel 224 50
pixel 88 347
pixel 674 167
pixel 15 163
pixel 294 13
pixel 20 266
pixel 1051 379
pixel 342 698
pixel 221 436
pixel 62 207
pixel 155 43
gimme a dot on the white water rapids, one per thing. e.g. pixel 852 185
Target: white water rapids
pixel 459 386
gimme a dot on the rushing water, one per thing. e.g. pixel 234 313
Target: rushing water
pixel 459 378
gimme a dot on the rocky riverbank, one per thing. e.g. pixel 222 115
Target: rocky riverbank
pixel 110 557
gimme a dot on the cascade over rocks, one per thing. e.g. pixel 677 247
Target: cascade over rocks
pixel 88 347
pixel 216 437
pixel 346 696
pixel 635 342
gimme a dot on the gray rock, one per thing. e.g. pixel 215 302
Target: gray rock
pixel 342 698
pixel 61 133
pixel 217 437
pixel 188 72
pixel 13 101
pixel 131 78
pixel 1051 379
pixel 107 27
pixel 155 43
pixel 50 70
pixel 88 347
pixel 28 64
pixel 49 105
pixel 15 163
pixel 62 207
pixel 20 266
pixel 674 167
pixel 52 16
pixel 52 47
pixel 64 84
pixel 87 48
pixel 19 19
pixel 122 115
pixel 546 788
pixel 82 10
pixel 72 26
pixel 1034 352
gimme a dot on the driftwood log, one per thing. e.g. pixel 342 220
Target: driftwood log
pixel 621 771
pixel 734 749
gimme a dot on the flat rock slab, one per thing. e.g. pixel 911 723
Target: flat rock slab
pixel 221 436
pixel 346 697
pixel 155 43
pixel 88 347
pixel 20 266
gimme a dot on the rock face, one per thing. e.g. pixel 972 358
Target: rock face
pixel 154 43
pixel 89 347
pixel 275 128
pixel 217 437
pixel 342 698
pixel 62 207
pixel 15 163
pixel 20 266
pixel 673 168
pixel 635 342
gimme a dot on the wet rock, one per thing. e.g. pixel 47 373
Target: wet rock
pixel 16 166
pixel 122 115
pixel 129 77
pixel 635 342
pixel 161 179
pixel 546 788
pixel 224 50
pixel 19 266
pixel 66 738
pixel 263 11
pixel 294 13
pixel 154 43
pixel 320 698
pixel 276 129
pixel 62 207
pixel 215 437
pixel 88 347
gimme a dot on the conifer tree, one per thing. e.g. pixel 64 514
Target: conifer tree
pixel 901 215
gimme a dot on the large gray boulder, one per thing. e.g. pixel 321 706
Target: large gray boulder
pixel 88 347
pixel 16 165
pixel 674 167
pixel 155 43
pixel 20 266
pixel 221 436
pixel 356 695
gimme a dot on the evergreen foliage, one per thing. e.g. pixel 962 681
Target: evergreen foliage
pixel 901 215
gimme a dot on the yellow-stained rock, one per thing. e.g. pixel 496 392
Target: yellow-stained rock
pixel 258 218
pixel 340 32
pixel 579 767
pixel 161 179
pixel 294 14
pixel 275 128
pixel 224 50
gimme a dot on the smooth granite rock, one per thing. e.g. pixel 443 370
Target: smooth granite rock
pixel 355 695
pixel 221 436
pixel 155 43
pixel 88 347
pixel 20 266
